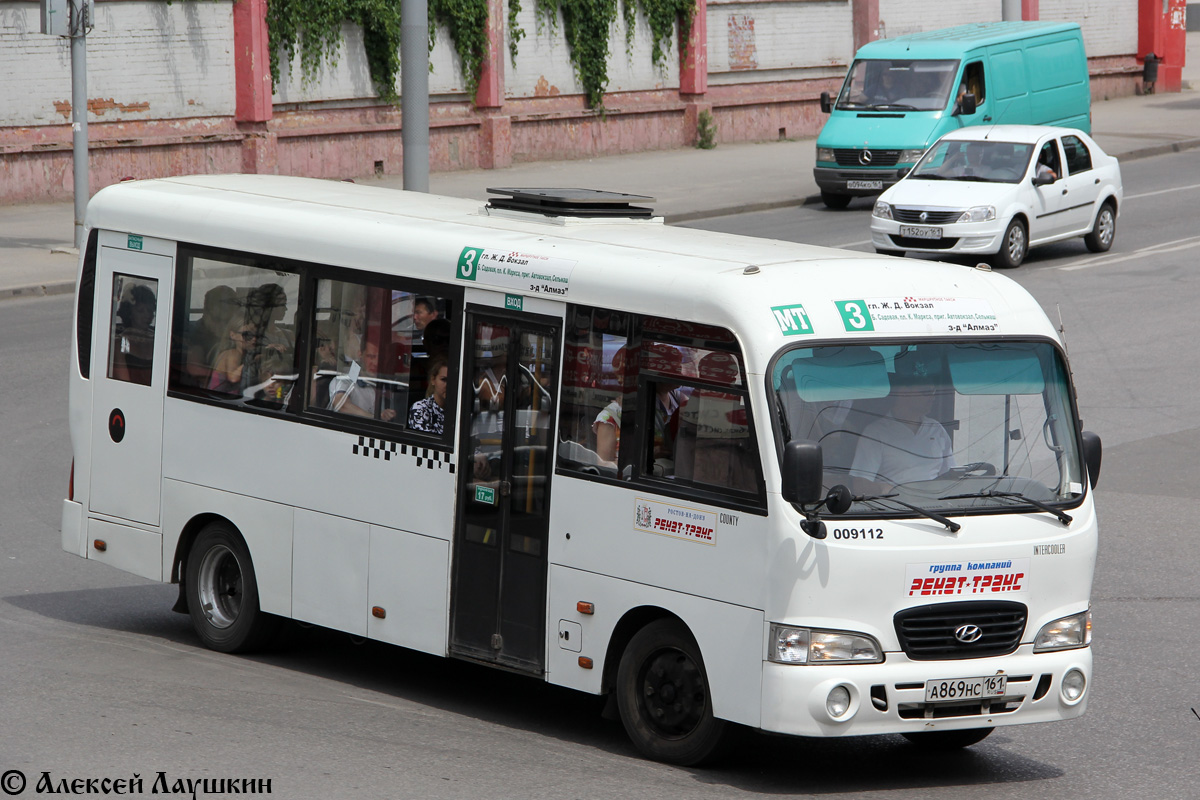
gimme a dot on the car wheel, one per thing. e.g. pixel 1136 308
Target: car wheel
pixel 835 200
pixel 222 592
pixel 1100 238
pixel 663 696
pixel 948 740
pixel 1013 246
pixel 896 253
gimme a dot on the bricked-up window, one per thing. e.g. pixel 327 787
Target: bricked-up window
pixel 657 400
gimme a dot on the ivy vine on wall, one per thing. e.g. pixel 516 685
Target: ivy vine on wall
pixel 312 29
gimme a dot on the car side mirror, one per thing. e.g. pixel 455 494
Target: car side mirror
pixel 803 469
pixel 1092 455
pixel 968 104
pixel 1042 180
pixel 826 103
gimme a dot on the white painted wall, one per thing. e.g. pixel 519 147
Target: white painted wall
pixel 1109 29
pixel 789 40
pixel 902 17
pixel 152 60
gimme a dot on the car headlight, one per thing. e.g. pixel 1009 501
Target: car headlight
pixel 791 645
pixel 882 210
pixel 825 154
pixel 1065 633
pixel 978 214
pixel 910 156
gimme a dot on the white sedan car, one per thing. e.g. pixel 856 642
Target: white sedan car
pixel 1000 190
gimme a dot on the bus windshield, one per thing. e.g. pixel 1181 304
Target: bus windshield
pixel 945 426
pixel 898 85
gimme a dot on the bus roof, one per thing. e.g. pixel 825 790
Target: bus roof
pixel 954 42
pixel 641 266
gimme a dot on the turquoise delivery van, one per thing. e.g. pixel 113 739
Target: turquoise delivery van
pixel 901 95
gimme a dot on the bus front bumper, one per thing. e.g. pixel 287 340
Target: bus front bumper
pixel 890 697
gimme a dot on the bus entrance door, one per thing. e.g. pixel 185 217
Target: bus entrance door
pixel 498 604
pixel 129 377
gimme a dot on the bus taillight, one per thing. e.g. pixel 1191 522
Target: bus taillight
pixel 71 482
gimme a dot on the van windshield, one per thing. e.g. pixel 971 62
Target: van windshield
pixel 986 161
pixel 950 426
pixel 893 85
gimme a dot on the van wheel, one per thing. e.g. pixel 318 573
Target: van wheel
pixel 947 740
pixel 1100 238
pixel 1013 246
pixel 663 696
pixel 835 200
pixel 223 594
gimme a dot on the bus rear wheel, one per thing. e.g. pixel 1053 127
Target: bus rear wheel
pixel 663 696
pixel 948 740
pixel 223 594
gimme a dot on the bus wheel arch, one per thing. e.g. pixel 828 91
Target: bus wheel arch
pixel 183 546
pixel 663 695
pixel 221 589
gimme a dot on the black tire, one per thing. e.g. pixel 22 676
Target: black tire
pixel 663 696
pixel 1100 238
pixel 941 741
pixel 222 592
pixel 1013 247
pixel 835 200
pixel 896 253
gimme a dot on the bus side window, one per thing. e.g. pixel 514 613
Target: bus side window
pixel 131 343
pixel 594 385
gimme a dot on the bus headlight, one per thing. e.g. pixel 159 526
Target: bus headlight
pixel 883 210
pixel 978 214
pixel 791 645
pixel 1065 633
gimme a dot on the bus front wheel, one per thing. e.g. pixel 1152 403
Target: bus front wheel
pixel 223 593
pixel 663 696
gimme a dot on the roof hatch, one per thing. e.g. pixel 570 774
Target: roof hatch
pixel 584 203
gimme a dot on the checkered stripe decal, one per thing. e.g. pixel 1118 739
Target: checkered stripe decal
pixel 369 447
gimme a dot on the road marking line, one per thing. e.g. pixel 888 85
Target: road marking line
pixel 1162 191
pixel 1154 249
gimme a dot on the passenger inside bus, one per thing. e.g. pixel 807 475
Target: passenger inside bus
pixel 133 358
pixel 206 335
pixel 668 399
pixel 358 394
pixel 236 366
pixel 905 444
pixel 429 414
pixel 607 425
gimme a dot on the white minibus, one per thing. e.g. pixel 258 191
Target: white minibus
pixel 724 481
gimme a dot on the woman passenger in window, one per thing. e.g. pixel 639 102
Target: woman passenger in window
pixel 236 367
pixel 429 415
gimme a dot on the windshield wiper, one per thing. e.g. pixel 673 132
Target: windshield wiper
pixel 949 523
pixel 894 106
pixel 1063 516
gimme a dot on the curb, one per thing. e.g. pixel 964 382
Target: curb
pixel 68 287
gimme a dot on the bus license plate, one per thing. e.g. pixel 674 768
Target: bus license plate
pixel 953 690
pixel 920 233
pixel 864 184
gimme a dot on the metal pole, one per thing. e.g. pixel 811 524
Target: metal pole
pixel 79 125
pixel 1010 10
pixel 414 93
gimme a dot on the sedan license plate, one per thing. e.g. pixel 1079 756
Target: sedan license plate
pixel 864 184
pixel 914 232
pixel 956 690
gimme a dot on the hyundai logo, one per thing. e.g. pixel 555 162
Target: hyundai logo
pixel 968 633
pixel 865 157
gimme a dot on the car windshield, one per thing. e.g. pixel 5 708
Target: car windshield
pixel 949 427
pixel 980 161
pixel 894 85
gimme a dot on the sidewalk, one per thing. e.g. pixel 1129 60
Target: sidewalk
pixel 687 184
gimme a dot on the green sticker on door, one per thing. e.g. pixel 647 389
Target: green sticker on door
pixel 485 494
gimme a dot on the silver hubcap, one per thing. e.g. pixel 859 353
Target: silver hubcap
pixel 220 588
pixel 1106 225
pixel 1016 244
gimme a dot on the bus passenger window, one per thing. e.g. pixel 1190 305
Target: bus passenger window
pixel 594 384
pixel 131 344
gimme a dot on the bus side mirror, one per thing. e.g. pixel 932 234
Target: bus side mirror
pixel 803 469
pixel 967 105
pixel 1092 454
pixel 826 103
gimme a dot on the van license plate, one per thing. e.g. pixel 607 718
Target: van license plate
pixel 864 184
pixel 956 690
pixel 920 233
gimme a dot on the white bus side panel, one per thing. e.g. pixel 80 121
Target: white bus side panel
pixel 410 580
pixel 605 537
pixel 329 571
pixel 730 637
pixel 266 527
pixel 131 549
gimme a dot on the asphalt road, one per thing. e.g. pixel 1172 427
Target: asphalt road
pixel 102 680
